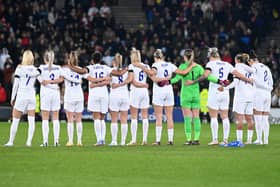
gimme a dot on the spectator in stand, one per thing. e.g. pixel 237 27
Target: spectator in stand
pixel 92 11
pixel 105 10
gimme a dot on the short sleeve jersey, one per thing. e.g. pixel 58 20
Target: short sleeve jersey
pixel 219 69
pixel 244 91
pixel 26 82
pixel 99 71
pixel 73 90
pixel 263 77
pixel 50 74
pixel 164 69
pixel 139 75
pixel 118 80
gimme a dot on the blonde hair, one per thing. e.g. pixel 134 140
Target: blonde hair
pixel 158 54
pixel 135 56
pixel 27 58
pixel 49 58
pixel 118 60
pixel 213 52
pixel 73 58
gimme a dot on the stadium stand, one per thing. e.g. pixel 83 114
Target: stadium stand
pixel 172 25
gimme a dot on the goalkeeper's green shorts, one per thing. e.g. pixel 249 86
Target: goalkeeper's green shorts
pixel 192 102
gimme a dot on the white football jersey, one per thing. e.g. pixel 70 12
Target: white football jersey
pixel 27 78
pixel 164 69
pixel 244 91
pixel 219 69
pixel 46 74
pixel 99 71
pixel 263 78
pixel 139 75
pixel 118 80
pixel 73 89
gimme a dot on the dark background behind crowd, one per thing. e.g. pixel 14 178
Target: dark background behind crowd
pixel 173 25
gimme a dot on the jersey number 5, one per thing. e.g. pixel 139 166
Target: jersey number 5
pixel 221 72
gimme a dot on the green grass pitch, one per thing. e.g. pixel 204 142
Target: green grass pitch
pixel 178 165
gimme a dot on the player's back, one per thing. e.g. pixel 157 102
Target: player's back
pixel 99 71
pixel 244 91
pixel 118 80
pixel 164 70
pixel 219 69
pixel 263 78
pixel 139 75
pixel 26 82
pixel 50 73
pixel 73 90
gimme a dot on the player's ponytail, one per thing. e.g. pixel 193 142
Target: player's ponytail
pixel 49 58
pixel 118 60
pixel 73 58
pixel 245 58
pixel 189 54
pixel 135 56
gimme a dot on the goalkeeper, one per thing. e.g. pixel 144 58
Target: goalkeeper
pixel 190 97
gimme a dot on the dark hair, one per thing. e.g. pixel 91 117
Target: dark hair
pixel 253 54
pixel 96 57
pixel 158 54
pixel 188 53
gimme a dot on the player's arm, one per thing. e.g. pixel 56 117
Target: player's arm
pixel 204 76
pixel 177 77
pixel 135 83
pixel 185 71
pixel 150 72
pixel 14 90
pixel 120 72
pixel 126 81
pixel 57 81
pixel 241 76
pixel 99 84
pixel 139 84
pixel 230 86
pixel 79 70
pixel 96 80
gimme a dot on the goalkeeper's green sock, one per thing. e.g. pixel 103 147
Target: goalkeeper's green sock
pixel 197 127
pixel 188 128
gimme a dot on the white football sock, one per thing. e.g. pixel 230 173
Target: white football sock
pixel 158 133
pixel 124 128
pixel 114 132
pixel 45 131
pixel 249 135
pixel 239 135
pixel 214 128
pixel 13 130
pixel 145 123
pixel 170 133
pixel 79 128
pixel 133 129
pixel 97 129
pixel 31 129
pixel 265 129
pixel 258 127
pixel 70 131
pixel 226 128
pixel 56 130
pixel 103 130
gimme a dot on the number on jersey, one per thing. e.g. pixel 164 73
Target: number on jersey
pixel 141 75
pixel 221 72
pixel 27 79
pixel 74 83
pixel 120 79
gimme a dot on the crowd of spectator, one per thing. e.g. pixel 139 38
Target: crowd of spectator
pixel 172 25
